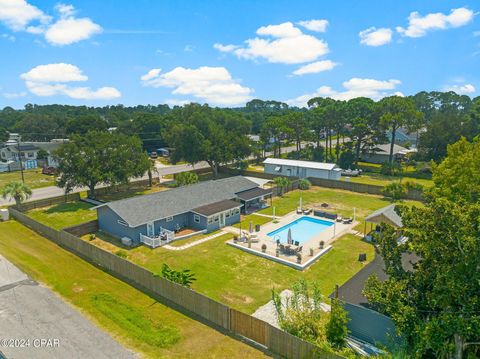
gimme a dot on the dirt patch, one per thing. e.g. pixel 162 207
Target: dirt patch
pixel 235 298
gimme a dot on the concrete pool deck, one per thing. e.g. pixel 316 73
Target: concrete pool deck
pixel 311 250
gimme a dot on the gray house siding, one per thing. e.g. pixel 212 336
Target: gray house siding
pixel 370 326
pixel 108 222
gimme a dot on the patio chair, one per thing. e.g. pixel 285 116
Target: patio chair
pixel 299 210
pixel 347 220
pixel 297 243
pixel 307 211
pixel 339 219
pixel 282 248
pixel 299 249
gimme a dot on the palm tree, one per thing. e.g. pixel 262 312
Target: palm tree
pixel 18 191
pixel 282 183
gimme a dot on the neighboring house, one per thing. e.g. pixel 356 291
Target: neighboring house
pixel 381 153
pixel 204 206
pixel 27 151
pixel 302 169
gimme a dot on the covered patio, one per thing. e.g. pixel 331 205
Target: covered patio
pixel 254 199
pixel 385 215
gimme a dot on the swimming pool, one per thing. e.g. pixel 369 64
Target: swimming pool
pixel 302 229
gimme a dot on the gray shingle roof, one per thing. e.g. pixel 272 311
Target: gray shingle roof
pixel 139 210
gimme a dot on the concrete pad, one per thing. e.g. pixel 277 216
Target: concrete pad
pixel 36 323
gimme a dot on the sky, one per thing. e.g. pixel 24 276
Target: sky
pixel 226 53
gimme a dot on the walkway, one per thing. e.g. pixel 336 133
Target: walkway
pixel 264 215
pixel 181 248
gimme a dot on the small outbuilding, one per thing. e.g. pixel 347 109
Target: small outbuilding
pixel 302 169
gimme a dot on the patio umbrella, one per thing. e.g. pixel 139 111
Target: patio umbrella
pixel 301 203
pixel 289 236
pixel 250 229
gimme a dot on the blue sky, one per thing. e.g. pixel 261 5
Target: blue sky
pixel 227 52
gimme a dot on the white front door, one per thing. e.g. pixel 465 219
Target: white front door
pixel 150 229
pixel 222 220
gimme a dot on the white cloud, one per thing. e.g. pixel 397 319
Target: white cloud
pixel 8 37
pixel 315 67
pixel 460 89
pixel 375 37
pixel 214 85
pixel 18 15
pixel 418 25
pixel 284 43
pixel 314 25
pixel 355 87
pixel 53 79
pixel 14 95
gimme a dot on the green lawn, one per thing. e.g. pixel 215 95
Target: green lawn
pixel 133 318
pixel 64 215
pixel 382 180
pixel 33 178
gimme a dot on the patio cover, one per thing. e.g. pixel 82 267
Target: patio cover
pixel 385 215
pixel 253 193
pixel 217 207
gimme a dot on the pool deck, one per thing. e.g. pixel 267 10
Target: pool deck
pixel 311 250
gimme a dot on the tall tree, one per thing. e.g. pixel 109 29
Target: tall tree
pixel 296 122
pixel 100 157
pixel 396 112
pixel 436 306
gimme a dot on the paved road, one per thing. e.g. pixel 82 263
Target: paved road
pixel 53 191
pixel 30 311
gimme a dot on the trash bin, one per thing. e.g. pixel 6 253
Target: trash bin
pixel 257 228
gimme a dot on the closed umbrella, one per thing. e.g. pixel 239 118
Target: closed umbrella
pixel 251 227
pixel 289 236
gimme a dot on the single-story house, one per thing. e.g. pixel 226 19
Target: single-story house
pixel 27 151
pixel 302 169
pixel 204 206
pixel 381 153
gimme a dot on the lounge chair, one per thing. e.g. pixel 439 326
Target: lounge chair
pixel 339 219
pixel 299 210
pixel 347 220
pixel 307 211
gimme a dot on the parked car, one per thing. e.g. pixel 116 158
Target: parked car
pixel 153 154
pixel 48 170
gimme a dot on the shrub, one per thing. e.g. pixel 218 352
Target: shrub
pixel 346 160
pixel 395 191
pixel 242 165
pixel 264 247
pixel 304 184
pixel 121 253
pixel 184 277
pixel 391 169
pixel 413 185
pixel 337 330
pixel 92 236
pixel 186 178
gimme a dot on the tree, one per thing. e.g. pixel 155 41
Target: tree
pixel 296 122
pixel 184 277
pixel 82 124
pixel 216 136
pixel 20 192
pixel 396 112
pixel 186 178
pixel 435 306
pixel 304 184
pixel 275 128
pixel 282 183
pixel 395 191
pixel 337 330
pixel 42 154
pixel 3 135
pixel 100 157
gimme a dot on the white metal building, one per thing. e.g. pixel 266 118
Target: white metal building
pixel 302 169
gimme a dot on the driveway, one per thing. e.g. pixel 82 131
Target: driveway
pixel 32 316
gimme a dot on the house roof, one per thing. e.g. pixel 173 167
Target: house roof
pixel 253 193
pixel 385 215
pixel 142 209
pixel 352 291
pixel 216 207
pixel 298 163
pixel 385 149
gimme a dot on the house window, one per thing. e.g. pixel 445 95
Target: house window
pixel 123 223
pixel 210 220
pixel 169 219
pixel 215 218
pixel 278 169
pixel 227 214
pixel 196 218
pixel 237 211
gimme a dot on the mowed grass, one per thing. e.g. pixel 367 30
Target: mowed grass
pixel 242 280
pixel 133 318
pixel 64 214
pixel 378 179
pixel 33 178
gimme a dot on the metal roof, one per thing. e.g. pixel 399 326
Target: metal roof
pixel 217 207
pixel 298 163
pixel 385 215
pixel 151 207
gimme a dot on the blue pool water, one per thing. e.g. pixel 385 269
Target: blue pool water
pixel 303 229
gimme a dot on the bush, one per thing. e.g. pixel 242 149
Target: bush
pixel 413 185
pixel 304 184
pixel 395 191
pixel 391 169
pixel 186 178
pixel 242 165
pixel 121 253
pixel 346 160
pixel 184 277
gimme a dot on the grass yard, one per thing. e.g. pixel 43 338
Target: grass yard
pixel 133 318
pixel 115 196
pixel 382 180
pixel 64 214
pixel 242 280
pixel 33 178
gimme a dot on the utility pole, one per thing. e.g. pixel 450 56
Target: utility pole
pixel 20 157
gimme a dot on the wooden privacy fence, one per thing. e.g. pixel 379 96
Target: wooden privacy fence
pixel 27 206
pixel 218 314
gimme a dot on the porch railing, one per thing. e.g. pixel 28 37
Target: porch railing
pixel 165 236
